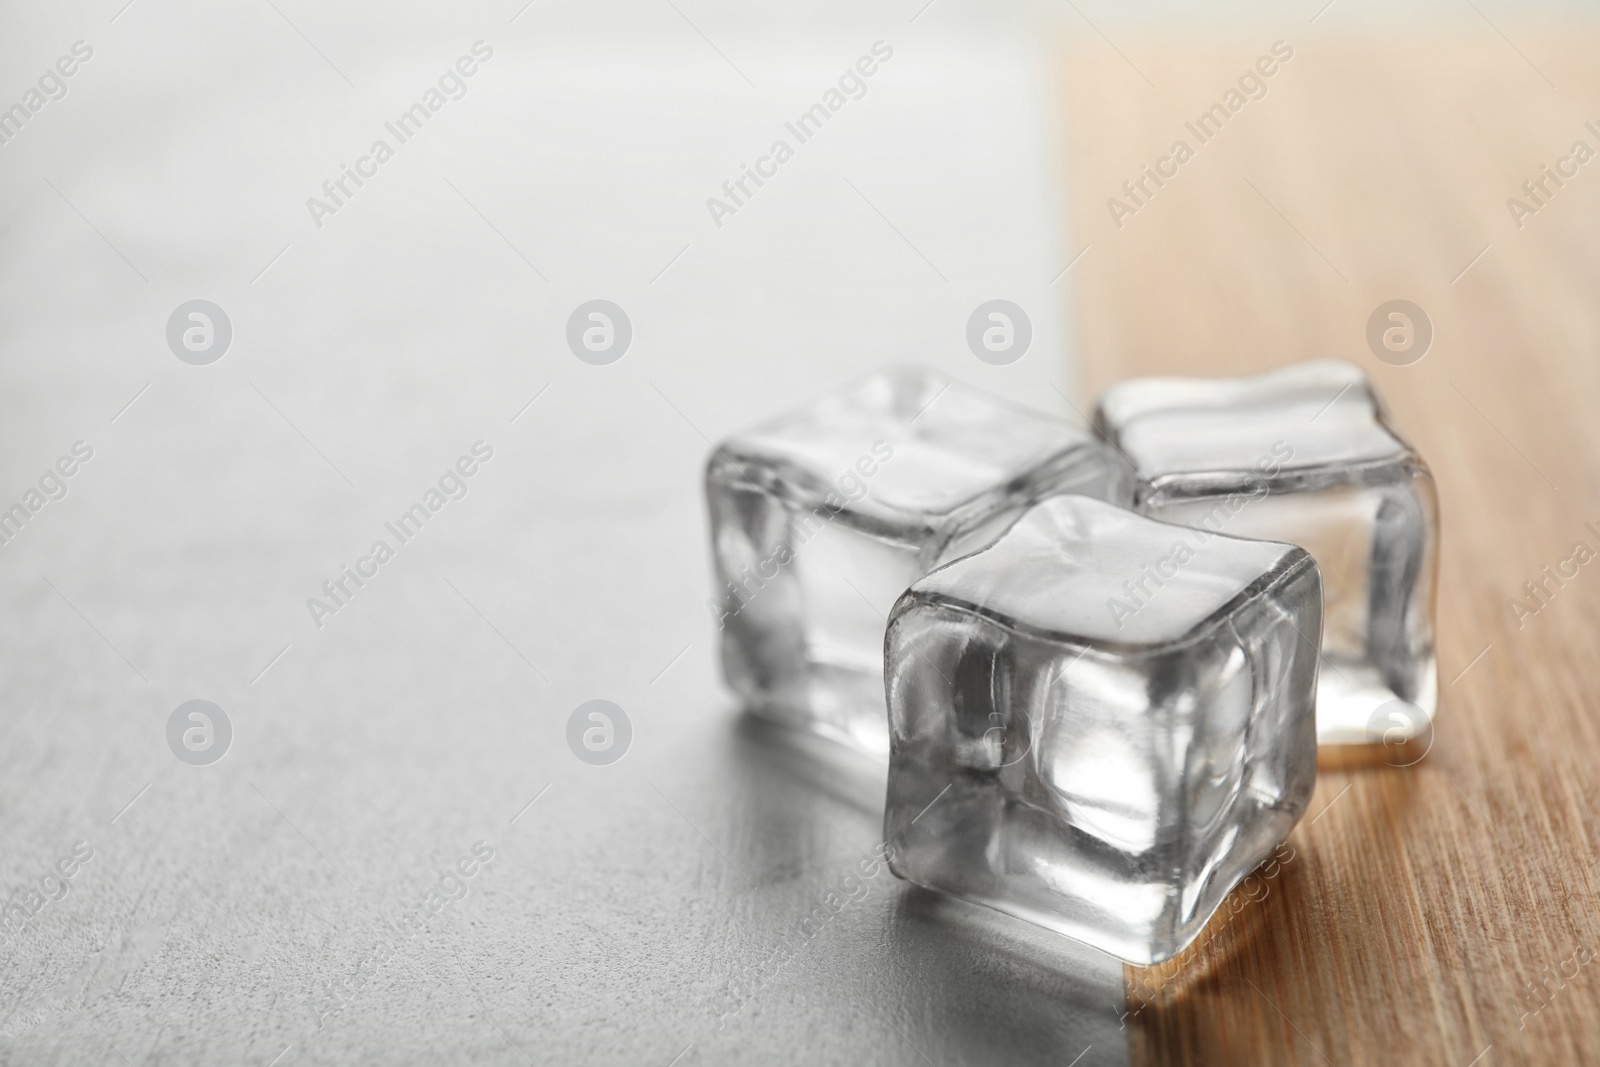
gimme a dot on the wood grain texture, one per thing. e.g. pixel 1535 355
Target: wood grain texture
pixel 1440 913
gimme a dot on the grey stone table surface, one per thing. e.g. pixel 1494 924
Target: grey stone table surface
pixel 256 910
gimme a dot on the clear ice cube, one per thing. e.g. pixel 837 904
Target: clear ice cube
pixel 1306 454
pixel 822 517
pixel 1102 723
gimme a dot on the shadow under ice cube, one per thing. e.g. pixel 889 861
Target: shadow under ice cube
pixel 1306 454
pixel 1107 773
pixel 821 518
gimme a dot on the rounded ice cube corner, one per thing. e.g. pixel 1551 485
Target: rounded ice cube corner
pixel 1102 723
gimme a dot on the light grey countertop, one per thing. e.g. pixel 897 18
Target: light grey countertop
pixel 632 905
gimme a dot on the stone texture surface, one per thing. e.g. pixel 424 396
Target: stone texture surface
pixel 634 905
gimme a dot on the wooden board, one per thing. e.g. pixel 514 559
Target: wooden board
pixel 1440 913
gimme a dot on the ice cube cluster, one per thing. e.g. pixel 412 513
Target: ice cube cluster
pixel 1099 664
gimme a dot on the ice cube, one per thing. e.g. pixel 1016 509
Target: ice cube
pixel 821 518
pixel 1306 454
pixel 1102 723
